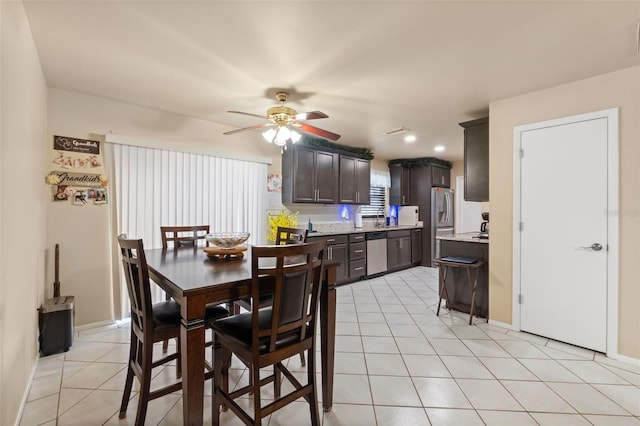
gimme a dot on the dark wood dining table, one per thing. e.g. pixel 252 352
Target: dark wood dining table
pixel 194 280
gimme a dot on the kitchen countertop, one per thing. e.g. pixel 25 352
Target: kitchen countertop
pixel 361 230
pixel 469 237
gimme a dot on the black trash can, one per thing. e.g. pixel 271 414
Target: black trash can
pixel 56 325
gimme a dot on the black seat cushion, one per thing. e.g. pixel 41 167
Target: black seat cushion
pixel 238 327
pixel 166 314
pixel 215 312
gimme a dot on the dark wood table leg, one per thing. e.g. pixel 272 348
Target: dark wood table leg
pixel 192 335
pixel 328 336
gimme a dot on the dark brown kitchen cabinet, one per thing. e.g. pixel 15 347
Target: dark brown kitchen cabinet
pixel 416 246
pixel 354 180
pixel 440 176
pixel 357 256
pixel 337 250
pixel 400 181
pixel 476 159
pixel 398 249
pixel 309 176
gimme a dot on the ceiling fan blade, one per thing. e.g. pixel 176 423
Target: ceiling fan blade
pixel 312 115
pixel 249 114
pixel 254 127
pixel 317 131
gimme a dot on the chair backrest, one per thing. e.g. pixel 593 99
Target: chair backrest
pixel 183 236
pixel 138 284
pixel 291 235
pixel 296 273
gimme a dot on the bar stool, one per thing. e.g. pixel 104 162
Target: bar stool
pixel 468 265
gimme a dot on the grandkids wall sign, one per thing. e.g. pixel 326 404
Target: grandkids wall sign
pixel 71 180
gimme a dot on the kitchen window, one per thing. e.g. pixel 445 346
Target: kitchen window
pixel 380 182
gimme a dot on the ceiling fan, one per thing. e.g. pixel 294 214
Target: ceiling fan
pixel 283 123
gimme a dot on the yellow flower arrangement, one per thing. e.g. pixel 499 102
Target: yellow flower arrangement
pixel 284 219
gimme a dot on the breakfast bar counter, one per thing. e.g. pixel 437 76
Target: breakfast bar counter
pixel 467 246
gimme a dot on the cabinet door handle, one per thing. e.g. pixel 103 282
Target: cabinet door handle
pixel 359 268
pixel 400 243
pixel 330 253
pixel 330 240
pixel 359 251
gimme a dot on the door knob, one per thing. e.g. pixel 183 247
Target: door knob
pixel 594 247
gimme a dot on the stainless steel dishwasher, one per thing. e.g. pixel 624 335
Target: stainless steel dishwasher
pixel 376 252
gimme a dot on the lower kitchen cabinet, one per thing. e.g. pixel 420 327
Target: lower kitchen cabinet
pixel 337 250
pixel 398 249
pixel 416 246
pixel 357 256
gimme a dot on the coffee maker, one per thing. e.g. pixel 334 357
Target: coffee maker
pixel 484 227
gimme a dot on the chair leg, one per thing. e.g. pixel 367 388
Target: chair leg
pixel 217 380
pixel 277 380
pixel 128 383
pixel 145 385
pixel 313 398
pixel 302 362
pixel 257 408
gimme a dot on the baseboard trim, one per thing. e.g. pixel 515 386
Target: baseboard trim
pixel 95 325
pixel 502 324
pixel 629 360
pixel 25 397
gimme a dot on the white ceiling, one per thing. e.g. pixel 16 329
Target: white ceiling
pixel 370 65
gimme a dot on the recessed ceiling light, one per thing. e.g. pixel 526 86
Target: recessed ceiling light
pixel 439 148
pixel 410 138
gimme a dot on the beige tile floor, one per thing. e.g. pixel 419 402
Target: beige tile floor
pixel 396 364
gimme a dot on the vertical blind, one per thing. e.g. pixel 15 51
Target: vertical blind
pixel 155 187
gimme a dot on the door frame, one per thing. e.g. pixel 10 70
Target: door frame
pixel 612 217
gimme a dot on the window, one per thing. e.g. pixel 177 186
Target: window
pixel 156 187
pixel 378 201
pixel 380 181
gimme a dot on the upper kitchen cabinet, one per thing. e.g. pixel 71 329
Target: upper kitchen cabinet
pixel 440 176
pixel 476 159
pixel 309 176
pixel 400 181
pixel 355 180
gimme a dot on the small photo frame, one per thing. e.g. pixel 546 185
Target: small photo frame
pixel 61 193
pixel 101 196
pixel 79 197
pixel 91 193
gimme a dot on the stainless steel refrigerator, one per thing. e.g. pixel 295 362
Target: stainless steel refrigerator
pixel 441 216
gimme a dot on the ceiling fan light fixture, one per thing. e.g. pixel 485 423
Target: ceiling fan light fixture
pixel 281 136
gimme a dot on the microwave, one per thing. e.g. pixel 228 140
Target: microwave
pixel 408 216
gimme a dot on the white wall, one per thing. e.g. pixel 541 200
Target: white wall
pixel 23 199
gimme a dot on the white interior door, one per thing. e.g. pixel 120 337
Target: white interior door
pixel 563 237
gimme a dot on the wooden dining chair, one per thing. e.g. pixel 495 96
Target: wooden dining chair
pixel 267 336
pixel 283 236
pixel 184 236
pixel 150 323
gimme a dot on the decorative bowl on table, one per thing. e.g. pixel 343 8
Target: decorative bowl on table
pixel 227 240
